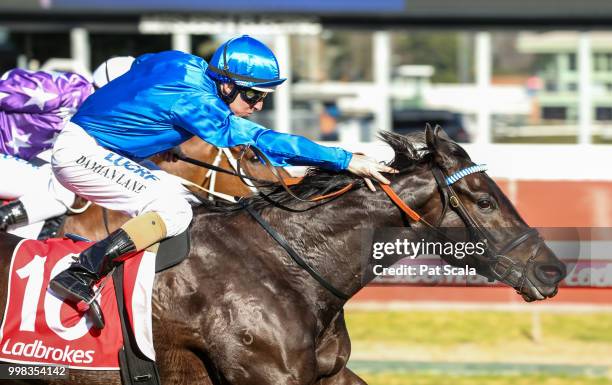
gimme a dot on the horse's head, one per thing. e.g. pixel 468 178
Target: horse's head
pixel 514 254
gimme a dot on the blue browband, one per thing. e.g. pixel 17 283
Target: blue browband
pixel 465 172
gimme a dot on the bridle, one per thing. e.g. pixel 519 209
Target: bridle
pixel 500 266
pixel 495 259
pixel 211 175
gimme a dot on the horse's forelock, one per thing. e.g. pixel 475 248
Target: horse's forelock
pixel 413 146
pixel 453 151
pixel 409 149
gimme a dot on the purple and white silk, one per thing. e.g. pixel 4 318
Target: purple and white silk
pixel 35 106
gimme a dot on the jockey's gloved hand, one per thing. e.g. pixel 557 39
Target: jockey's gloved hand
pixel 367 168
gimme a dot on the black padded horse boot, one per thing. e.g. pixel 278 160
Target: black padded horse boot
pixel 12 213
pixel 75 284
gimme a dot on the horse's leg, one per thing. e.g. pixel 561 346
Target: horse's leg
pixel 179 365
pixel 344 377
pixel 256 347
pixel 333 352
pixel 178 352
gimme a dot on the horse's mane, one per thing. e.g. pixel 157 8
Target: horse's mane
pixel 410 151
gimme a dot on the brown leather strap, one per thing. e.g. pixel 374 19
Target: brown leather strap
pixel 400 203
pixel 283 181
pixel 292 180
pixel 333 194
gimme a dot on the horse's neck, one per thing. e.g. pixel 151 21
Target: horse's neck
pixel 339 233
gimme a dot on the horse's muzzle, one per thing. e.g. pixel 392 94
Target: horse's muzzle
pixel 549 273
pixel 543 280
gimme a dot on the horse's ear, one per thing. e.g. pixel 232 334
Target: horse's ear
pixel 438 143
pixel 441 134
pixel 430 137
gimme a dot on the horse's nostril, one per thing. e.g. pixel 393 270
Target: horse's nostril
pixel 549 273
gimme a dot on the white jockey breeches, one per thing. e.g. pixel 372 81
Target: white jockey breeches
pixel 118 183
pixel 35 186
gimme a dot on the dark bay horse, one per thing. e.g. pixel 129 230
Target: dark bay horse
pixel 239 311
pixel 94 224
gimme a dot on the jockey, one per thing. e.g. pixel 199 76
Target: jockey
pixel 165 99
pixel 34 107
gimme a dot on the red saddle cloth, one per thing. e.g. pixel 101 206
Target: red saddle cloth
pixel 39 328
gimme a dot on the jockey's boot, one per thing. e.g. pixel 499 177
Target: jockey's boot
pixel 75 284
pixel 12 213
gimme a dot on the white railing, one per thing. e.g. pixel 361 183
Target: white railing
pixel 523 161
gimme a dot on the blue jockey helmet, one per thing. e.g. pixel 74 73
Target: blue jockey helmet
pixel 246 62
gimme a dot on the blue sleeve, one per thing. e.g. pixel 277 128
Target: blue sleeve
pixel 209 118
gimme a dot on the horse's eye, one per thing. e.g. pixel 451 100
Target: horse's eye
pixel 485 204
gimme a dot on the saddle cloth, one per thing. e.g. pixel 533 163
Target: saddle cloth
pixel 39 328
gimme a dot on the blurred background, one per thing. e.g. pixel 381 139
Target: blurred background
pixel 526 86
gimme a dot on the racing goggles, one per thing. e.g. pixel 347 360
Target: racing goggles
pixel 251 96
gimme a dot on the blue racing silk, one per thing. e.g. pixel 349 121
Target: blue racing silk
pixel 166 98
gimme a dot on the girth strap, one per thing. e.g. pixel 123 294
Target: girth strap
pixel 292 253
pixel 136 368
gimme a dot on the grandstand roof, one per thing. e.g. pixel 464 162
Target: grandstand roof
pixel 541 14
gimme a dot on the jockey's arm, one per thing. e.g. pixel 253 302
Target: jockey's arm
pixel 211 120
pixel 40 92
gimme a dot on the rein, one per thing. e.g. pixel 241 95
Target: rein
pixel 284 182
pixel 209 166
pixel 293 254
pixel 494 258
pixel 292 181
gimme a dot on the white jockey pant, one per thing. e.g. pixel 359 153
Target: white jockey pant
pixel 35 186
pixel 118 183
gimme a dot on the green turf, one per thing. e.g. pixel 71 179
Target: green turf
pixel 480 348
pixel 482 328
pixel 477 368
pixel 407 379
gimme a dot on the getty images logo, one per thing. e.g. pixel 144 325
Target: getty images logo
pixel 38 350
